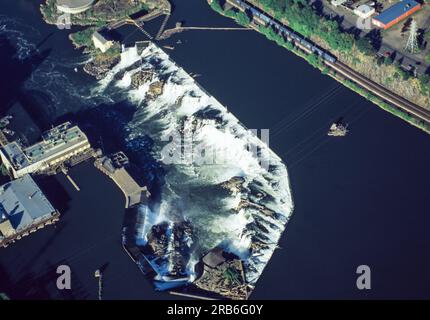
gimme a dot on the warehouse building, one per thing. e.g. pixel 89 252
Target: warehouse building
pixel 58 145
pixel 396 13
pixel 23 209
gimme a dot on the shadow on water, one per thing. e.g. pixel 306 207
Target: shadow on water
pixel 58 228
pixel 55 192
pixel 107 128
pixel 40 286
pixel 16 71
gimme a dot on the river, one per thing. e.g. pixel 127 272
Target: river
pixel 358 200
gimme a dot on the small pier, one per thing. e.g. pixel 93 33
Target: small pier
pixel 179 28
pixel 139 22
pixel 66 173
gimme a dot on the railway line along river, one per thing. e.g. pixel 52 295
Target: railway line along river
pixel 357 200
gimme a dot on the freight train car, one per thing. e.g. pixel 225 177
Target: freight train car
pixel 287 33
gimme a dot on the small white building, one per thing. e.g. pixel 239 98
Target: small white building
pixel 364 11
pixel 101 42
pixel 337 3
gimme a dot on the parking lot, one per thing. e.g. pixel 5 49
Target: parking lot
pixel 394 39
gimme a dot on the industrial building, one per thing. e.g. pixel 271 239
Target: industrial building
pixel 396 13
pixel 74 6
pixel 23 209
pixel 58 145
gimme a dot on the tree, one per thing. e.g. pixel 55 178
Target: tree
pixel 242 18
pixel 364 46
pixel 424 84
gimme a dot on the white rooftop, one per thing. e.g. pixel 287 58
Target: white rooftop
pixel 74 3
pixel 53 142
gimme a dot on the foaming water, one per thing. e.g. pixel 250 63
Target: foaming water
pixel 191 193
pixel 248 221
pixel 53 76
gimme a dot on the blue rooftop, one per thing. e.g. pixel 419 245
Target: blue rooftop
pixel 23 203
pixel 15 154
pixel 396 11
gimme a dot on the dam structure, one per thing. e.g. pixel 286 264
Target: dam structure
pixel 233 206
pixel 114 166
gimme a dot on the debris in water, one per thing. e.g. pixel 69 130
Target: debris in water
pixel 337 129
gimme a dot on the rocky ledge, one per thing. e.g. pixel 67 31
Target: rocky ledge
pixel 98 68
pixel 223 274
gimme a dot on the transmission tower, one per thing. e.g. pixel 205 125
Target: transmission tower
pixel 412 44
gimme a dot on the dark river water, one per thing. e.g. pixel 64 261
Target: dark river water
pixel 359 200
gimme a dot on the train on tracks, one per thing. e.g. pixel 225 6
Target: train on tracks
pixel 286 32
pixel 411 109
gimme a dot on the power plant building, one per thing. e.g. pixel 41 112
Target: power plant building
pixel 58 145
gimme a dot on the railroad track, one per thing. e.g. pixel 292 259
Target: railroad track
pixel 382 92
pixel 378 90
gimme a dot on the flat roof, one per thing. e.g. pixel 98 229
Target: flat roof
pixel 364 8
pixel 337 2
pixel 396 11
pixel 55 141
pixel 23 203
pixel 100 37
pixel 15 155
pixel 74 3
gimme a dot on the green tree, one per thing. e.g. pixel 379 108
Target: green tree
pixel 242 18
pixel 364 46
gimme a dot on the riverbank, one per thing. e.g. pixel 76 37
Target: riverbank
pixel 100 16
pixel 243 19
pixel 355 200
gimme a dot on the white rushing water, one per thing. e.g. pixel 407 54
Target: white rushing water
pixel 192 191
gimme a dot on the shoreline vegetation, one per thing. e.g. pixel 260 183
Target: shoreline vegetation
pixel 226 278
pixel 352 51
pixel 103 13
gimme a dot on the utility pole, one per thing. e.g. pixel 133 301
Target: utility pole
pixel 98 274
pixel 412 44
